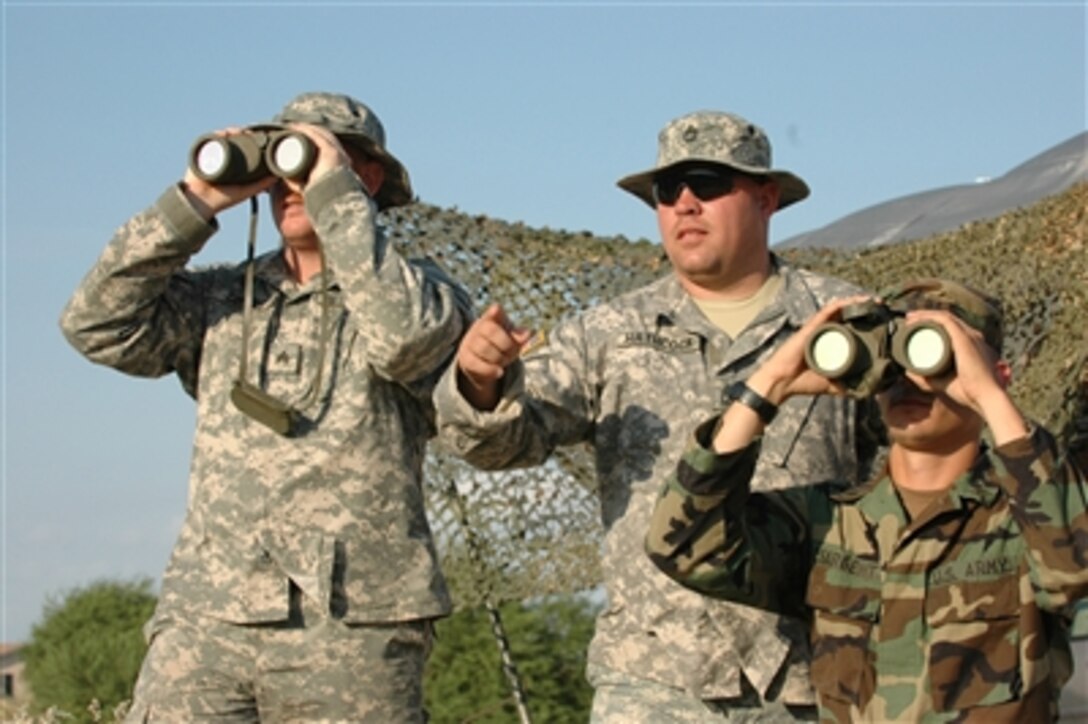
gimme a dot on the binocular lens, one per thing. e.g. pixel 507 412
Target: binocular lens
pixel 291 155
pixel 831 351
pixel 926 349
pixel 211 158
pixel 226 159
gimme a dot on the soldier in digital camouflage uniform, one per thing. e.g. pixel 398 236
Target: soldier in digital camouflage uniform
pixel 943 588
pixel 304 581
pixel 631 378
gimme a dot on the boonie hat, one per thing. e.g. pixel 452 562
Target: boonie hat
pixel 357 124
pixel 978 310
pixel 715 137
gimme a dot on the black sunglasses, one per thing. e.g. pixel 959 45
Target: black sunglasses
pixel 706 183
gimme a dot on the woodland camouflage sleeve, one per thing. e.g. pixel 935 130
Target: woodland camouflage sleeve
pixel 1049 499
pixel 709 532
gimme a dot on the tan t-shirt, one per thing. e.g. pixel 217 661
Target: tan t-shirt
pixel 733 315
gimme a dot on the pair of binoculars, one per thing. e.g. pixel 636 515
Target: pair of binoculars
pixel 873 345
pixel 253 154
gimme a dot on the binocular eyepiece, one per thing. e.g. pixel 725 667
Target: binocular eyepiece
pixel 253 154
pixel 872 345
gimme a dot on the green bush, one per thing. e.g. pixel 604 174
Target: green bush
pixel 548 640
pixel 88 647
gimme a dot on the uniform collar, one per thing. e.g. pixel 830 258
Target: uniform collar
pixel 877 497
pixel 673 306
pixel 270 268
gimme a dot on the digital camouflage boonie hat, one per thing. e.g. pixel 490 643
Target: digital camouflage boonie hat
pixel 978 310
pixel 715 137
pixel 354 123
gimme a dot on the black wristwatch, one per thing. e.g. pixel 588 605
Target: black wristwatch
pixel 745 395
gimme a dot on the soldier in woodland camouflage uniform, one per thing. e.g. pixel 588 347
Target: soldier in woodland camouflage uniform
pixel 304 580
pixel 631 378
pixel 943 588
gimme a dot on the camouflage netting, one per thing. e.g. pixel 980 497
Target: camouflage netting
pixel 536 532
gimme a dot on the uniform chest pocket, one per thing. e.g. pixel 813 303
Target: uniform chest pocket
pixel 974 652
pixel 665 374
pixel 842 657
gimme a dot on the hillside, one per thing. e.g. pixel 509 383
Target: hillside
pixel 936 211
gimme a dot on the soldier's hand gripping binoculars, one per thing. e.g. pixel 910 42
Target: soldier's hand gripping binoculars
pixel 872 345
pixel 253 154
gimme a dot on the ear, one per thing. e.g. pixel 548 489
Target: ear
pixel 769 194
pixel 371 173
pixel 1004 373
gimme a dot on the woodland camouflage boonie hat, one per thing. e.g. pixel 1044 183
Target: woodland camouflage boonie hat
pixel 978 310
pixel 357 124
pixel 715 137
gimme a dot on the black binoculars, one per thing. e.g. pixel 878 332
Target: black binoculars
pixel 256 152
pixel 873 345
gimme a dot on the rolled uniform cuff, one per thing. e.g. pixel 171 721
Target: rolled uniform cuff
pixel 1031 444
pixel 330 187
pixel 703 471
pixel 455 412
pixel 184 220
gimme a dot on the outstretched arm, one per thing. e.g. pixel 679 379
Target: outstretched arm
pixel 491 345
pixel 499 410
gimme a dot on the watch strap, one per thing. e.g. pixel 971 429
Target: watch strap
pixel 745 395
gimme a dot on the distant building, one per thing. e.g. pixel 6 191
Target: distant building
pixel 13 688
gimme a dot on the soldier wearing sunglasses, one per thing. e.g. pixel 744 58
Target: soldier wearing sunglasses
pixel 632 378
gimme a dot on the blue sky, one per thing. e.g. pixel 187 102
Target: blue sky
pixel 522 111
